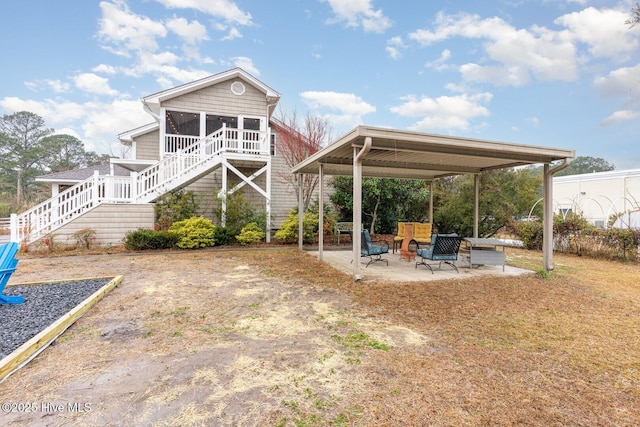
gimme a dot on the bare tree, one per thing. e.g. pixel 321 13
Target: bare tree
pixel 635 16
pixel 295 143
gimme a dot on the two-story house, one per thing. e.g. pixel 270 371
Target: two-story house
pixel 213 136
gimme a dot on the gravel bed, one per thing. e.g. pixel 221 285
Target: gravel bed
pixel 44 304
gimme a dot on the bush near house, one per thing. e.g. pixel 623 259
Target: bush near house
pixel 175 206
pixel 145 238
pixel 196 232
pixel 289 228
pixel 250 233
pixel 224 235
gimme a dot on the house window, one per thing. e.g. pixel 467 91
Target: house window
pixel 181 123
pixel 215 122
pixel 251 124
pixel 565 211
pixel 273 144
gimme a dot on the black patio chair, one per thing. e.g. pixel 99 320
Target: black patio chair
pixel 443 248
pixel 371 250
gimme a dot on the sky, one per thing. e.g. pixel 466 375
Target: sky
pixel 551 73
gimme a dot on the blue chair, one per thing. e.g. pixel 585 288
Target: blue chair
pixel 8 263
pixel 372 251
pixel 443 248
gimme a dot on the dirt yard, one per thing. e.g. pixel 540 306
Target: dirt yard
pixel 275 338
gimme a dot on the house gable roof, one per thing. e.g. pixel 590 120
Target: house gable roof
pixel 128 136
pixel 78 175
pixel 152 102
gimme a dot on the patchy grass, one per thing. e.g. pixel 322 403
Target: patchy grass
pixel 300 344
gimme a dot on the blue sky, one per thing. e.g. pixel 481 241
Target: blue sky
pixel 557 73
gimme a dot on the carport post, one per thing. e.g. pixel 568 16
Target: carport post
pixel 547 220
pixel 356 235
pixel 300 213
pixel 476 203
pixel 321 212
pixel 431 201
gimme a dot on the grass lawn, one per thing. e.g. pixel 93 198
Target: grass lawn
pixel 274 337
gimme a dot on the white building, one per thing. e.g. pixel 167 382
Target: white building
pixel 597 196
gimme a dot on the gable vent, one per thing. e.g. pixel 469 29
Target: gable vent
pixel 237 88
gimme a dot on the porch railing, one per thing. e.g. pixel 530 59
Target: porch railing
pixel 226 139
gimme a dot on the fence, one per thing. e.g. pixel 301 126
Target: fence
pixel 5 230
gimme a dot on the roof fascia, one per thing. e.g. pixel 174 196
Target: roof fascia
pixel 134 133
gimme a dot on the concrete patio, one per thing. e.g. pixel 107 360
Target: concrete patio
pixel 403 271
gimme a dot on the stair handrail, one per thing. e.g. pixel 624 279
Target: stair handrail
pixel 179 164
pixel 44 217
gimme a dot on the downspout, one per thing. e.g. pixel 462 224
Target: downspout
pixel 547 224
pixel 357 205
pixel 267 143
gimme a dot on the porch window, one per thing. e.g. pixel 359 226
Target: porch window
pixel 215 122
pixel 181 123
pixel 251 124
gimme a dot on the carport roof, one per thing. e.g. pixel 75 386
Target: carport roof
pixel 414 155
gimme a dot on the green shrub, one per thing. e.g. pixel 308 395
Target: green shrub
pixel 196 232
pixel 250 233
pixel 239 213
pixel 175 206
pixel 289 228
pixel 144 238
pixel 224 236
pixel 530 233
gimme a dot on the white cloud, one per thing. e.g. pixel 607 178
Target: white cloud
pixel 356 13
pixel 57 86
pixel 105 69
pixel 247 65
pixel 232 34
pixel 348 103
pixel 440 64
pixel 623 82
pixel 444 112
pixel 518 55
pixel 342 110
pixel 621 116
pixel 123 31
pixel 92 83
pixel 394 48
pixel 223 9
pixel 95 124
pixel 603 31
pixel 191 32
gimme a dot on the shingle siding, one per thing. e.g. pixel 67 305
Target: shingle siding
pixel 110 221
pixel 219 99
pixel 148 146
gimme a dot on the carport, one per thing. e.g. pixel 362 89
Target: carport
pixel 388 153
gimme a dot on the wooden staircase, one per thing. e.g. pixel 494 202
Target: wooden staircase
pixel 173 172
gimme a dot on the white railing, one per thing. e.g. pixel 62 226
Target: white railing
pixel 223 140
pixel 42 219
pixel 198 155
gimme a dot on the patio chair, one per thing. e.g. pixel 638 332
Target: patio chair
pixel 373 251
pixel 8 263
pixel 443 248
